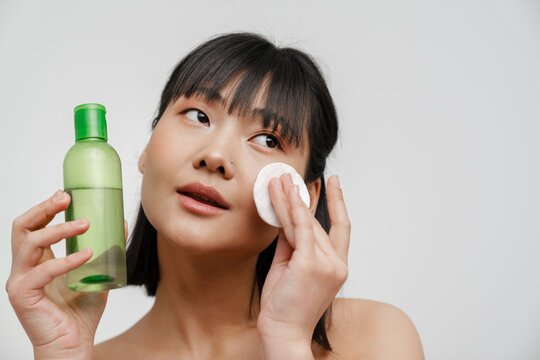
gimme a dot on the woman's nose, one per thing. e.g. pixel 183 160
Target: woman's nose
pixel 216 159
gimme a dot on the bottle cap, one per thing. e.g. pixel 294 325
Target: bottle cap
pixel 90 122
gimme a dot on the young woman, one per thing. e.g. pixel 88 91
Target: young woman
pixel 226 284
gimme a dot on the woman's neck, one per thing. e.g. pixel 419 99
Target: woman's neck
pixel 203 300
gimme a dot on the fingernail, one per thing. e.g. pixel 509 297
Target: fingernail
pixel 296 189
pixel 85 251
pixel 59 196
pixel 277 182
pixel 80 221
pixel 337 181
pixel 288 179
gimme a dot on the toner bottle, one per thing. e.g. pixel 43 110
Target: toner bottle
pixel 93 179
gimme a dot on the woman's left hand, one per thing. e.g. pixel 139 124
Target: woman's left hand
pixel 309 265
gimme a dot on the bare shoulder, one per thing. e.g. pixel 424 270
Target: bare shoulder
pixel 116 348
pixel 104 350
pixel 362 328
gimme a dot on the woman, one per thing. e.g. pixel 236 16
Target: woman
pixel 226 284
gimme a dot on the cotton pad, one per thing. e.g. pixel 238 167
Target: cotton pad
pixel 261 194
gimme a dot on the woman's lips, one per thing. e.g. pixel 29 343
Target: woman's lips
pixel 199 207
pixel 203 193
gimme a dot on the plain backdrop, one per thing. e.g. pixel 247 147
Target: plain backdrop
pixel 438 156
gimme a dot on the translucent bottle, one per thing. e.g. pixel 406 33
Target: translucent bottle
pixel 93 179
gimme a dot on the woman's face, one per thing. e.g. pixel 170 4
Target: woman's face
pixel 195 141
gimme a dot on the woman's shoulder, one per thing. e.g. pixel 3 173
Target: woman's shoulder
pixel 359 328
pixel 106 350
pixel 118 348
pixel 362 328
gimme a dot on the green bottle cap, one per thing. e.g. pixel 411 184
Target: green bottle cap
pixel 90 122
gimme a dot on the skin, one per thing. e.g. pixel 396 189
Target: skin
pixel 207 267
pixel 59 322
pixel 197 272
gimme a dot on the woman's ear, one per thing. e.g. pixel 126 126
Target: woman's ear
pixel 142 160
pixel 314 190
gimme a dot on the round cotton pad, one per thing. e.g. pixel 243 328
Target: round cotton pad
pixel 261 195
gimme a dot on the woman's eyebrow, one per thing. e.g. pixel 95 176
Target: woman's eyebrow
pixel 260 113
pixel 211 96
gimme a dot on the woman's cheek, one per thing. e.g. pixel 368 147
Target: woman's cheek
pixel 264 232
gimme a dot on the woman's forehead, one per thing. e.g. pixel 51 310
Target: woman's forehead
pixel 227 96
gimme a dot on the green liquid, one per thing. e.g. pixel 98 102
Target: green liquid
pixel 106 269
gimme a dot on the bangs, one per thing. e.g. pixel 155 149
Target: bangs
pixel 254 68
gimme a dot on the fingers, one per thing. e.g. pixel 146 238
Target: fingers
pixel 40 215
pixel 43 274
pixel 281 206
pixel 299 226
pixel 302 222
pixel 31 249
pixel 319 234
pixel 340 225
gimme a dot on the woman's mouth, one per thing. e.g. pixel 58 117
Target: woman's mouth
pixel 199 204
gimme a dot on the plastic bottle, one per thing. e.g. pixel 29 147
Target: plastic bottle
pixel 93 179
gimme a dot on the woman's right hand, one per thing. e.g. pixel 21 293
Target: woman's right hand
pixel 60 323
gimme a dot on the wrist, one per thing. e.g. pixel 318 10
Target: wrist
pixel 275 348
pixel 42 353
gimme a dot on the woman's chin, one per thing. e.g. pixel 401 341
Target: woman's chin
pixel 194 239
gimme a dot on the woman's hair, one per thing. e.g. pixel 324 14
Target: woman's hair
pixel 296 97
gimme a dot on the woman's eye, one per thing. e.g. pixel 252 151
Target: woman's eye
pixel 197 115
pixel 270 141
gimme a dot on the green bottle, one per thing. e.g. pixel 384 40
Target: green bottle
pixel 93 179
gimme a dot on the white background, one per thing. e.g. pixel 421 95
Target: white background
pixel 438 155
